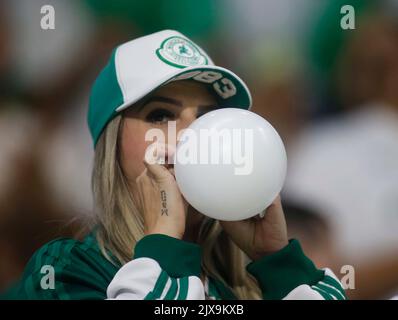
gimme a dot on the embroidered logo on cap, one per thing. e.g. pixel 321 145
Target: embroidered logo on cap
pixel 179 52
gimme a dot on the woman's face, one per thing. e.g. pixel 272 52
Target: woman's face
pixel 179 101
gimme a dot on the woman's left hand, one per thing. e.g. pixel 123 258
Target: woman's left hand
pixel 258 236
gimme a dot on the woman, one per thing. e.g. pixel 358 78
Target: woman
pixel 136 250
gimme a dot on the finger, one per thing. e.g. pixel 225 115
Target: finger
pixel 160 153
pixel 158 172
pixel 275 207
pixel 274 214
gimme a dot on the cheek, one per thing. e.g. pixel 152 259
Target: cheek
pixel 133 146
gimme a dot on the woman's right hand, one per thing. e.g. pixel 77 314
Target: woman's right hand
pixel 158 197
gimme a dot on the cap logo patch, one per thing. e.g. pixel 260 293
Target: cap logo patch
pixel 179 52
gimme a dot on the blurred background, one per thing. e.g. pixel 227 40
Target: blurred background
pixel 332 94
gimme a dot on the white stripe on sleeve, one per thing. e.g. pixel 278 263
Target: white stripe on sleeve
pixel 137 278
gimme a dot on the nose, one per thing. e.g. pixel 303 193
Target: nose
pixel 187 117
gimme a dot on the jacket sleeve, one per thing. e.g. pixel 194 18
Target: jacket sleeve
pixel 61 270
pixel 162 268
pixel 288 274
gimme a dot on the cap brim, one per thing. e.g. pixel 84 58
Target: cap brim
pixel 241 99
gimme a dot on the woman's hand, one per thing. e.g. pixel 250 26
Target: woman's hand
pixel 157 196
pixel 257 236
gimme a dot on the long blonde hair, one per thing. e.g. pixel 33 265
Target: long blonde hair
pixel 120 225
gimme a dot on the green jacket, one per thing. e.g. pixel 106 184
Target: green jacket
pixel 162 268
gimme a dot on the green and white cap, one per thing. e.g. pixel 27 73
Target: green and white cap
pixel 138 67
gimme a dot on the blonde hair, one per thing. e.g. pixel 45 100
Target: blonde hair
pixel 120 225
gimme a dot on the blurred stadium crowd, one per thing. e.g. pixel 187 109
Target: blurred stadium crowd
pixel 332 94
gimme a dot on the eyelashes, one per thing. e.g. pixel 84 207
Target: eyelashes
pixel 162 116
pixel 159 116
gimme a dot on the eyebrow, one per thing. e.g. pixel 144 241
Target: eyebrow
pixel 168 100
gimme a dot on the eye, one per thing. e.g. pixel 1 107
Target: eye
pixel 160 116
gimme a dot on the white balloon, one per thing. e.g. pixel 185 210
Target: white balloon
pixel 251 166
